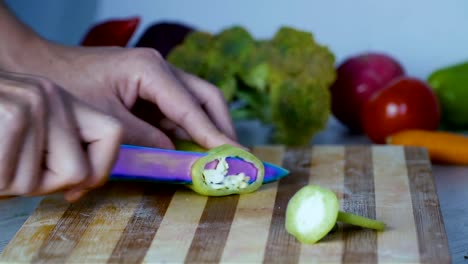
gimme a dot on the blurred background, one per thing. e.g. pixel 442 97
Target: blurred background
pixel 421 34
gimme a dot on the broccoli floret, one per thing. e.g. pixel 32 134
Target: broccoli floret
pixel 300 107
pixel 230 48
pixel 191 54
pixel 283 81
pixel 296 51
pixel 255 69
pixel 235 44
pixel 215 58
pixel 199 40
pixel 301 72
pixel 223 79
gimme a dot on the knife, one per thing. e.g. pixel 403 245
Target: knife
pixel 136 163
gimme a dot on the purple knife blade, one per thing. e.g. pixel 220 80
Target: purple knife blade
pixel 173 166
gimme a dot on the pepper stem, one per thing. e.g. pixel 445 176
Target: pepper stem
pixel 361 221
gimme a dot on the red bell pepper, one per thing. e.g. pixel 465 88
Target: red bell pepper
pixel 114 32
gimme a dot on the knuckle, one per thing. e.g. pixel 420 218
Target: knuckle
pixel 217 94
pixel 74 173
pixel 113 129
pixel 184 118
pixel 147 56
pixel 35 99
pixel 47 86
pixel 148 53
pixel 31 93
pixel 14 117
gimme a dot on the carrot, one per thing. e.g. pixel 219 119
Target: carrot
pixel 442 146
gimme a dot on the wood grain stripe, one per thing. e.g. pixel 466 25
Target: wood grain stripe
pixel 281 246
pixel 213 229
pixel 68 230
pixel 394 207
pixel 433 244
pixel 37 228
pixel 251 224
pixel 140 230
pixel 359 198
pixel 177 228
pixel 103 233
pixel 327 170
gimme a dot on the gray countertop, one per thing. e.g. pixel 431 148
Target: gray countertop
pixel 451 181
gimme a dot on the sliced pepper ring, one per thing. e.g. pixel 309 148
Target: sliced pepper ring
pixel 312 212
pixel 199 168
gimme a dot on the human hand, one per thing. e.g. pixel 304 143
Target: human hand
pixel 50 140
pixel 153 100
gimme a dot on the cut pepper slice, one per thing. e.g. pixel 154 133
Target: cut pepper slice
pixel 215 175
pixel 313 211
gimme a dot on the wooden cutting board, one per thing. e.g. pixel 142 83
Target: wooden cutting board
pixel 150 223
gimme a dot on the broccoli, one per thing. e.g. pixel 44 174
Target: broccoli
pixel 224 79
pixel 296 114
pixel 302 73
pixel 190 57
pixel 215 58
pixel 283 81
pixel 235 44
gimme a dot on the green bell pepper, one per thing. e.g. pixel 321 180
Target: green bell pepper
pixel 450 85
pixel 217 182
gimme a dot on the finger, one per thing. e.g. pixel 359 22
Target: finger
pixel 138 132
pixel 13 131
pixel 167 91
pixel 103 134
pixel 28 166
pixel 150 113
pixel 211 99
pixel 66 162
pixel 147 111
pixel 174 129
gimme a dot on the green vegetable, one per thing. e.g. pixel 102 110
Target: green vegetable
pixel 216 58
pixel 302 73
pixel 188 145
pixel 283 81
pixel 217 182
pixel 360 221
pixel 305 116
pixel 188 56
pixel 313 211
pixel 450 85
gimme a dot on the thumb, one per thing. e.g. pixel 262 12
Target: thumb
pixel 138 132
